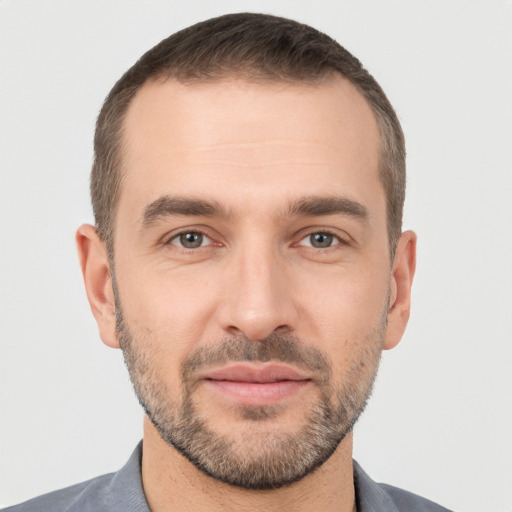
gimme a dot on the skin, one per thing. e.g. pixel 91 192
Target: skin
pixel 252 148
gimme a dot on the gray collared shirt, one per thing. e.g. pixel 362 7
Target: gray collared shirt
pixel 123 492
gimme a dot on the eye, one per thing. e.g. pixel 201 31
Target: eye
pixel 190 240
pixel 320 240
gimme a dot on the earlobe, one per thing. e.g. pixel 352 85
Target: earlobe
pixel 402 275
pixel 98 282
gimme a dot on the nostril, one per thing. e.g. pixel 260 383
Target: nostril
pixel 235 331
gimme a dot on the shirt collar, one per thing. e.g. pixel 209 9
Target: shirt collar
pixel 126 493
pixel 370 497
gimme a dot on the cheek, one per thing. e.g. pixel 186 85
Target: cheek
pixel 348 319
pixel 168 308
pixel 349 304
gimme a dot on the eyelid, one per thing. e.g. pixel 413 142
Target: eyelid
pixel 204 242
pixel 169 237
pixel 341 240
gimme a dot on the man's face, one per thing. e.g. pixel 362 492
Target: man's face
pixel 252 270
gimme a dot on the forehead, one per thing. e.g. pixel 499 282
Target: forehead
pixel 242 141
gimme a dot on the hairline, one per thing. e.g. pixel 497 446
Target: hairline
pixel 249 76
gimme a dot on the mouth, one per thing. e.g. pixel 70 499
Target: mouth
pixel 248 384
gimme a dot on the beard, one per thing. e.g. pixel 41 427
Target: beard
pixel 258 455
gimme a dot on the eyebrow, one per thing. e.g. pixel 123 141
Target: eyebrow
pixel 313 206
pixel 166 206
pixel 330 205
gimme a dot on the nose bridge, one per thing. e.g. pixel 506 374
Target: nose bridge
pixel 260 299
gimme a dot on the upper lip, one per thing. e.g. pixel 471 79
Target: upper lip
pixel 257 374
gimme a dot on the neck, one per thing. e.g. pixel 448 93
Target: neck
pixel 171 482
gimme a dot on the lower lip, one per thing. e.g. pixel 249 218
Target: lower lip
pixel 257 393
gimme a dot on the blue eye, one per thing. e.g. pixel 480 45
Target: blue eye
pixel 190 240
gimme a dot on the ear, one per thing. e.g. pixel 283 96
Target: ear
pixel 402 275
pixel 98 282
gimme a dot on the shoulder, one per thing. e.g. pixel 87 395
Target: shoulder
pixel 114 492
pixel 406 500
pixel 92 492
pixel 376 497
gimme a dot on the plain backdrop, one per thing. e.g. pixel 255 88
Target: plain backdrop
pixel 440 420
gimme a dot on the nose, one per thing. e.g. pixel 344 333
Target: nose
pixel 259 296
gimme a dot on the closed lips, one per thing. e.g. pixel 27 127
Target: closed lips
pixel 251 374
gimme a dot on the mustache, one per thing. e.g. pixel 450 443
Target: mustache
pixel 276 347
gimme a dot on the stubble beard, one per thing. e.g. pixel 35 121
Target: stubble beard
pixel 254 458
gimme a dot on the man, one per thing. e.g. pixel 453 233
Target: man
pixel 248 259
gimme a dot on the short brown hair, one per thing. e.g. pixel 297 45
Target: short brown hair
pixel 256 47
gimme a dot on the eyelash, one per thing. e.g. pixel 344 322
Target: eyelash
pixel 340 241
pixel 186 232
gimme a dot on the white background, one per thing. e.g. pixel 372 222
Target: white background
pixel 440 421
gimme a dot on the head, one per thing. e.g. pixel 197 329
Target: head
pixel 253 47
pixel 248 187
